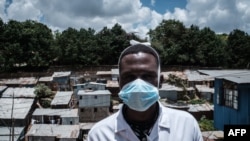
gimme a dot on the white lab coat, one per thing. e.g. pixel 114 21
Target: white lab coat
pixel 171 125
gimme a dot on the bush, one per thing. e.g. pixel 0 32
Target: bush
pixel 206 124
pixel 42 91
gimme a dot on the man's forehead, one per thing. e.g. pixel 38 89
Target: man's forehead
pixel 138 54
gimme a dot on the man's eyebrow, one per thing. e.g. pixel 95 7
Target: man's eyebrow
pixel 145 71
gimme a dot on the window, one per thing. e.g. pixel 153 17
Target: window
pixel 95 96
pixel 95 110
pixel 230 95
pixel 80 97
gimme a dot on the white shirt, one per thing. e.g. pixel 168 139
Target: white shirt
pixel 171 125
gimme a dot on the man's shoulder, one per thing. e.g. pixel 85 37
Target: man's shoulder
pixel 171 112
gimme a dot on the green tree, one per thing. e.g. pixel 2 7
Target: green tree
pixel 68 43
pixel 190 43
pixel 36 42
pixel 111 42
pixel 211 52
pixel 167 38
pixel 239 49
pixel 88 53
pixel 11 50
pixel 43 94
pixel 42 91
pixel 2 41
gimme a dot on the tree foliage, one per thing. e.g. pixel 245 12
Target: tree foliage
pixel 188 46
pixel 33 45
pixel 42 91
pixel 239 49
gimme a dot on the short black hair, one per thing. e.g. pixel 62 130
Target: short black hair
pixel 139 48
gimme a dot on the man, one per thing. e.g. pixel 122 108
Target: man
pixel 142 117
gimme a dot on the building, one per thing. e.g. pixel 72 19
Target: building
pixel 20 82
pixel 52 132
pixel 6 133
pixel 55 116
pixel 19 92
pixel 231 97
pixel 174 93
pixel 61 80
pixel 113 87
pixel 114 74
pixel 103 76
pixel 196 78
pixel 205 92
pixel 17 109
pixel 88 86
pixel 63 99
pixel 84 129
pixel 93 105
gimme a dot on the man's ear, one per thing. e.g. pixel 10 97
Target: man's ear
pixel 161 80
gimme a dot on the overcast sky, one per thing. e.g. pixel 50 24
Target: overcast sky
pixel 222 16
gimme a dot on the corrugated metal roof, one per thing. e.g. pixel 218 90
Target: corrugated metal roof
pixel 96 92
pixel 167 87
pixel 6 130
pixel 195 76
pixel 19 92
pixel 237 76
pixel 5 133
pixel 115 71
pixel 45 79
pixel 20 110
pixel 87 125
pixel 20 81
pixel 200 107
pixel 59 131
pixel 28 80
pixel 94 83
pixel 103 73
pixel 204 88
pixel 176 73
pixel 213 135
pixel 61 112
pixel 61 74
pixel 2 88
pixel 112 83
pixel 62 98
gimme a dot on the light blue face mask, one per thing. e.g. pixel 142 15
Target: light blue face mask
pixel 139 95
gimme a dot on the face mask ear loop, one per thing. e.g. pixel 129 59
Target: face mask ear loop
pixel 159 71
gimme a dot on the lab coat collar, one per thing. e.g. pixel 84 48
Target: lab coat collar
pixel 120 124
pixel 163 121
pixel 122 128
pixel 164 117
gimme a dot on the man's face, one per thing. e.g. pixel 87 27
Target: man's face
pixel 140 65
